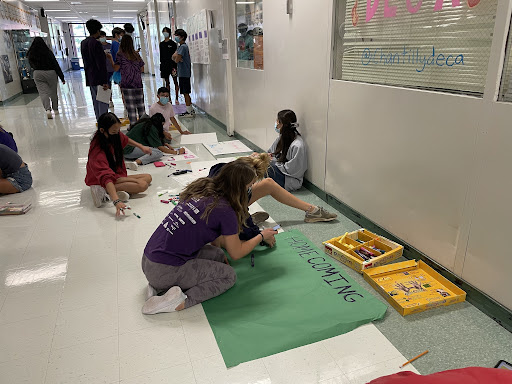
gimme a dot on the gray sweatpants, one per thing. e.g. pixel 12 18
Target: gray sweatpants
pixel 47 83
pixel 200 279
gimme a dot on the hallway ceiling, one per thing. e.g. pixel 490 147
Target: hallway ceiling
pixel 106 11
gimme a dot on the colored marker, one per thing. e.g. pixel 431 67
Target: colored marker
pixel 252 260
pixel 134 214
pixel 164 201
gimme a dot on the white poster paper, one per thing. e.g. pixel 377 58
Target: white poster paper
pixel 225 147
pixel 199 138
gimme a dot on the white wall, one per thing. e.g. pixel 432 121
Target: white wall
pixel 209 82
pixel 295 76
pixel 8 90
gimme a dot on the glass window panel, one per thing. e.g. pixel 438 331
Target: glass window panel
pixel 249 35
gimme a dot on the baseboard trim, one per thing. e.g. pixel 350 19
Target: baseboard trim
pixel 11 98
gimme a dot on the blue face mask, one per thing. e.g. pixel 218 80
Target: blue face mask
pixel 164 100
pixel 166 34
pixel 177 39
pixel 276 129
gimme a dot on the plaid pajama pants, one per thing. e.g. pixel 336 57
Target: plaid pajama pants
pixel 134 101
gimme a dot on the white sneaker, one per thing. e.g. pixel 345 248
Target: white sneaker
pixel 49 115
pixel 131 165
pixel 99 195
pixel 165 303
pixel 123 196
pixel 150 292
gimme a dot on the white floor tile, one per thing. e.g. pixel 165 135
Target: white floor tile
pixel 93 362
pixel 200 339
pixel 26 338
pixel 308 364
pixel 363 376
pixel 27 370
pixel 37 276
pixel 213 371
pixel 363 347
pixel 131 319
pixel 31 303
pixel 85 324
pixel 80 293
pixel 180 374
pixel 196 310
pixel 337 380
pixel 11 256
pixel 152 349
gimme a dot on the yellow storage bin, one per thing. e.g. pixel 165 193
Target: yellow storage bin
pixel 412 287
pixel 343 248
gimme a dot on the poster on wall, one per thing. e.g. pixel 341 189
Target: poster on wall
pixel 198 41
pixel 429 44
pixel 6 68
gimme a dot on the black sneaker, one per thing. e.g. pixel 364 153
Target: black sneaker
pixel 188 114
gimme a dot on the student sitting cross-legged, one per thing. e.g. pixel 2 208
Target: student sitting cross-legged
pixel 148 132
pixel 164 107
pixel 14 174
pixel 106 170
pixel 183 257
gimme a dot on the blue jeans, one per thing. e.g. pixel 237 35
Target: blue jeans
pixel 99 107
pixel 275 174
pixel 21 179
pixel 156 155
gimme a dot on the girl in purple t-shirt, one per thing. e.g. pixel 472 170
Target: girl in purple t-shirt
pixel 131 65
pixel 184 255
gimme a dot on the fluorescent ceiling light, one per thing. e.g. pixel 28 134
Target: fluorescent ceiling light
pixel 124 10
pixel 39 1
pixel 75 3
pixel 245 2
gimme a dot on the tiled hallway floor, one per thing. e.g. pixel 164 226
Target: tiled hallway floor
pixel 72 287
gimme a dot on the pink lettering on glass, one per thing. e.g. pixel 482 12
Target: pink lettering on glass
pixel 412 9
pixel 371 9
pixel 389 11
pixel 439 4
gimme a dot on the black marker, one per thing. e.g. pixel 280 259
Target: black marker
pixel 252 259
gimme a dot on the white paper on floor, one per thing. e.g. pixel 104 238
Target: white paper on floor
pixel 189 155
pixel 188 177
pixel 199 138
pixel 204 166
pixel 225 147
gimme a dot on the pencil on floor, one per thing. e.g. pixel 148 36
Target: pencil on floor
pixel 414 358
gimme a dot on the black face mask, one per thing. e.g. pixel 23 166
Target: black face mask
pixel 243 32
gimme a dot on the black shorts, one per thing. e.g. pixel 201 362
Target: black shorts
pixel 166 70
pixel 184 83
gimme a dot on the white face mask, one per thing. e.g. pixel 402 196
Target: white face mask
pixel 103 39
pixel 166 34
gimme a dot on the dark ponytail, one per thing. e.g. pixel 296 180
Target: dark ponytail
pixel 106 121
pixel 287 135
pixel 157 121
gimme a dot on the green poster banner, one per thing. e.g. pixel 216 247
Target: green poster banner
pixel 293 296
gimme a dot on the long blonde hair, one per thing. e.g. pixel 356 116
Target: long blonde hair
pixel 231 184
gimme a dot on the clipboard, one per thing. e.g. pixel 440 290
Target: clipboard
pixel 103 95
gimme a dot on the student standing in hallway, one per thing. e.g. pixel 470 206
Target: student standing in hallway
pixel 182 57
pixel 107 48
pixel 167 65
pixel 46 74
pixel 131 66
pixel 95 65
pixel 117 34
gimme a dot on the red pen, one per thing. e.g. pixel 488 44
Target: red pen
pixel 164 201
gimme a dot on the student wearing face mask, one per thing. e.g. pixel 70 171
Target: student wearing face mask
pixel 245 44
pixel 106 169
pixel 182 58
pixel 289 155
pixel 167 65
pixel 164 107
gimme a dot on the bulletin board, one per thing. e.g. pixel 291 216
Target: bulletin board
pixel 198 30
